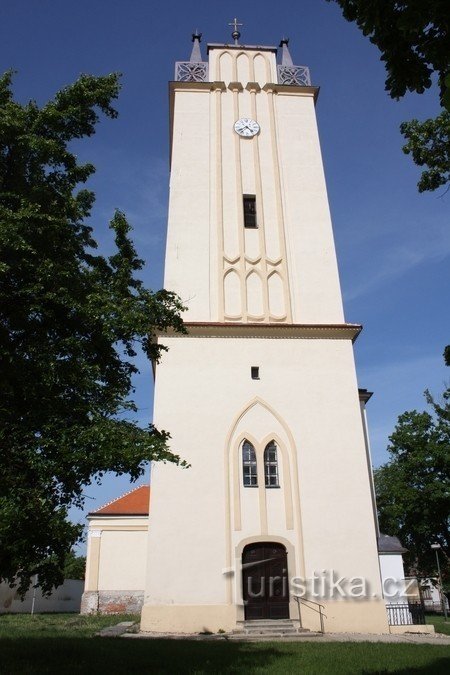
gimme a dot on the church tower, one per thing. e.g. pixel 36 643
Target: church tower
pixel 261 395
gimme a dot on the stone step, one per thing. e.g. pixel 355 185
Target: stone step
pixel 258 629
pixel 116 630
pixel 255 622
pixel 265 622
pixel 285 623
pixel 266 626
pixel 269 637
pixel 271 631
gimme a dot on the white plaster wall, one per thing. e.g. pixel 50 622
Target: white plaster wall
pixel 186 549
pixel 211 170
pixel 187 251
pixel 116 553
pixel 393 577
pixel 312 259
pixel 253 65
pixel 203 386
pixel 232 220
pixel 268 179
pixel 369 464
pixel 122 560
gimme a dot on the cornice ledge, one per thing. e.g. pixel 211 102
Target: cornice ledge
pixel 217 85
pixel 176 85
pixel 292 89
pixel 342 331
pixel 253 86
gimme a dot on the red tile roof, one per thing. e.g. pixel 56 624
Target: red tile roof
pixel 133 503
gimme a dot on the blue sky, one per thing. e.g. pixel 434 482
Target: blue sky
pixel 393 244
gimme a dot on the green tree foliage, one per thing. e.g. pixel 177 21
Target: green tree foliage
pixel 74 566
pixel 429 145
pixel 70 323
pixel 413 37
pixel 447 355
pixel 413 488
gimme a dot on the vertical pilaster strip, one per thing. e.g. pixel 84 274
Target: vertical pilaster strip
pixel 251 69
pixel 93 567
pixel 254 88
pixel 262 491
pixel 217 88
pixel 236 88
pixel 268 88
pixel 228 458
pixel 237 463
pixel 235 68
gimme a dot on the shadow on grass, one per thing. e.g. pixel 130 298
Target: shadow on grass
pixel 437 666
pixel 118 655
pixel 112 655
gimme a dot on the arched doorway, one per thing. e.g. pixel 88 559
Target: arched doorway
pixel 265 581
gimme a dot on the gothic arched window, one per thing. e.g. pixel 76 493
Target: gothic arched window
pixel 271 465
pixel 249 468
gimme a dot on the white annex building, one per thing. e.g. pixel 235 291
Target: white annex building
pixel 261 395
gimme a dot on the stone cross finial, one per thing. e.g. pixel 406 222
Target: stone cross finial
pixel 235 34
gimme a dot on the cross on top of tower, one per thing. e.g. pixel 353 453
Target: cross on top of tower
pixel 235 34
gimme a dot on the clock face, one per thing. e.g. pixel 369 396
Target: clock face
pixel 246 127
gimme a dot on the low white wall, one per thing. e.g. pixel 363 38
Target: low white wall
pixel 65 598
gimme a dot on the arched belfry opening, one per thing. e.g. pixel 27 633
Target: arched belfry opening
pixel 265 581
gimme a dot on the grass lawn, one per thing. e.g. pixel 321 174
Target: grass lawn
pixel 440 626
pixel 65 644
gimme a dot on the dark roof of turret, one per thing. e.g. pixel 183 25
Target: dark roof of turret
pixel 388 544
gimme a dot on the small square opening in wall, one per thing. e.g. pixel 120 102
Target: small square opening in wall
pixel 255 372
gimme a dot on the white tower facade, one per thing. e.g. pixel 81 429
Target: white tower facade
pixel 261 395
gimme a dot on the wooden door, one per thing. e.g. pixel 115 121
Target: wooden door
pixel 265 581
